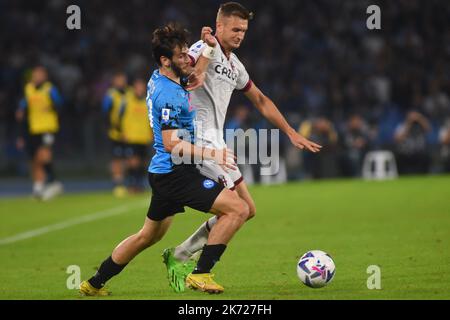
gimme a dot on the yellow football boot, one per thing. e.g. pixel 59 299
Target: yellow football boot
pixel 86 289
pixel 203 282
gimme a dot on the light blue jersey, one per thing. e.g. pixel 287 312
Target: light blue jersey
pixel 169 108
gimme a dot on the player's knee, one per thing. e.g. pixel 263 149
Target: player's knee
pixel 40 158
pixel 241 211
pixel 44 155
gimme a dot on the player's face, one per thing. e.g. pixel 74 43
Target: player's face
pixel 39 76
pixel 120 81
pixel 139 88
pixel 180 62
pixel 231 31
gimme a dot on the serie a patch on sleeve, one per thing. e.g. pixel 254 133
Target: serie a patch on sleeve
pixel 165 115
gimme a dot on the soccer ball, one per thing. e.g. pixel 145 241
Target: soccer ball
pixel 316 269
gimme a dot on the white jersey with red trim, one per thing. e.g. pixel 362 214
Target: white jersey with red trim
pixel 211 100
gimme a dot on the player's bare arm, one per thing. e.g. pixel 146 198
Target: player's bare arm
pixel 224 157
pixel 270 111
pixel 198 75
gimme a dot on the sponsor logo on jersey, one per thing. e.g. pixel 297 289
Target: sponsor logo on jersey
pixel 224 71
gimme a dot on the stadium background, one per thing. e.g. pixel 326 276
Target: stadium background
pixel 321 65
pixel 323 69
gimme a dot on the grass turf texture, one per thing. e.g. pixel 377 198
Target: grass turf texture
pixel 402 226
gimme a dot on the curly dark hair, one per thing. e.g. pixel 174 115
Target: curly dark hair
pixel 166 39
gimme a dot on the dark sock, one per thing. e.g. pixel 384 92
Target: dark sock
pixel 210 255
pixel 128 179
pixel 137 178
pixel 107 270
pixel 48 167
pixel 132 177
pixel 142 180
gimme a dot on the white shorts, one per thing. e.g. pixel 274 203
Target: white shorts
pixel 229 179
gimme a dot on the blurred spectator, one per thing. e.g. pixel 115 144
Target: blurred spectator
pixel 112 106
pixel 136 135
pixel 325 163
pixel 239 118
pixel 38 117
pixel 355 142
pixel 412 147
pixel 329 65
pixel 444 141
pixel 437 102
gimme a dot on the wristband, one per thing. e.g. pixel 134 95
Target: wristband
pixel 209 52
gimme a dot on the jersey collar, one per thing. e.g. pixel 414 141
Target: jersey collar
pixel 178 84
pixel 228 56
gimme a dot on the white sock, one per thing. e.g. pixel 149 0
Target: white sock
pixel 38 186
pixel 195 242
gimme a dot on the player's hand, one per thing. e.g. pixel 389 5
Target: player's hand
pixel 302 143
pixel 195 80
pixel 122 138
pixel 20 115
pixel 414 116
pixel 207 36
pixel 226 159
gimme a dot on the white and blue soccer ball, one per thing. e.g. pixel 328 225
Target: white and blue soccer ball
pixel 316 269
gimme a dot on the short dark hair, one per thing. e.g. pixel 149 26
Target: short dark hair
pixel 119 73
pixel 166 39
pixel 40 66
pixel 235 9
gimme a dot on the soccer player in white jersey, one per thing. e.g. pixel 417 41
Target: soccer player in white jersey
pixel 224 74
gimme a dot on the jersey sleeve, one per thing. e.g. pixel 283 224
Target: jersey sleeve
pixel 244 82
pixel 195 51
pixel 56 97
pixel 23 104
pixel 106 103
pixel 168 111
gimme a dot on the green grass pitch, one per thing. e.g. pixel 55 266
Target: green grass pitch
pixel 402 226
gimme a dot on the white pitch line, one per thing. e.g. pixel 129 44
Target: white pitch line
pixel 70 223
